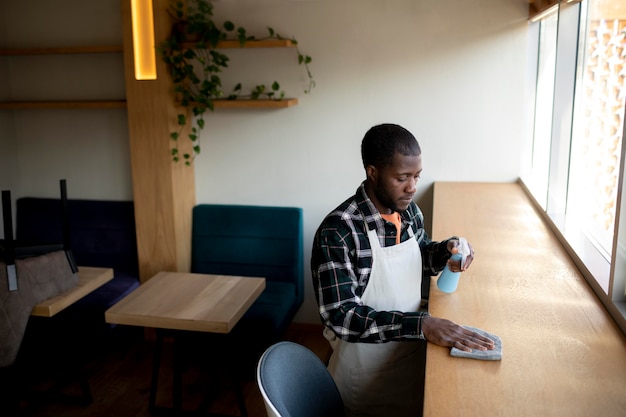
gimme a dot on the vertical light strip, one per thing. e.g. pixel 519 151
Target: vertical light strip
pixel 143 39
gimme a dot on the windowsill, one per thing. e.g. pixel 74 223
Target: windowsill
pixel 596 264
pixel 593 265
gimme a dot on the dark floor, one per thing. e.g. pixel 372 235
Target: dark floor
pixel 118 369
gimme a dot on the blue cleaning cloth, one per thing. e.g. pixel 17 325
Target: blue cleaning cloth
pixel 486 355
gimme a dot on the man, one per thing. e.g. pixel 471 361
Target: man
pixel 367 263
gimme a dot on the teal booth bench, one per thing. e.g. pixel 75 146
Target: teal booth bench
pixel 255 241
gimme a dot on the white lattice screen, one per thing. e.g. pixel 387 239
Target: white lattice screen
pixel 603 116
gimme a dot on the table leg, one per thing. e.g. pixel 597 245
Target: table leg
pixel 241 400
pixel 177 375
pixel 156 364
pixel 178 346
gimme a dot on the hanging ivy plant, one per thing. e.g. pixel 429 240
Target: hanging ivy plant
pixel 195 65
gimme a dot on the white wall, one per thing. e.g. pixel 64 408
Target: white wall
pixel 451 71
pixel 89 148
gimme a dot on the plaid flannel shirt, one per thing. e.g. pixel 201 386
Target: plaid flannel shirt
pixel 341 263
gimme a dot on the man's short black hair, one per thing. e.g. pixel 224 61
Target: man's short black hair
pixel 383 141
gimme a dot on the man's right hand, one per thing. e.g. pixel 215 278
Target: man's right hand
pixel 444 332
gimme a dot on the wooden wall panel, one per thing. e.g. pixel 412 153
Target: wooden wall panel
pixel 163 191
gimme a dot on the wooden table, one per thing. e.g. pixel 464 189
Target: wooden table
pixel 563 355
pixel 181 301
pixel 186 301
pixel 89 279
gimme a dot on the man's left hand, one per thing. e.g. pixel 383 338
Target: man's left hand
pixel 453 247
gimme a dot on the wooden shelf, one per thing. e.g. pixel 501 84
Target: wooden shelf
pixel 233 44
pixel 104 49
pixel 62 50
pixel 107 104
pixel 111 104
pixel 60 104
pixel 255 104
pixel 88 104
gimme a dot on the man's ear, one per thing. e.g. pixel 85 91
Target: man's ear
pixel 371 172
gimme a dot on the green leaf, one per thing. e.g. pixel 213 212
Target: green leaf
pixel 241 36
pixel 174 135
pixel 174 151
pixel 275 86
pixel 200 123
pixel 229 26
pixel 271 31
pixel 196 149
pixel 182 120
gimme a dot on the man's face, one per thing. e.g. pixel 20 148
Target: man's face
pixel 394 186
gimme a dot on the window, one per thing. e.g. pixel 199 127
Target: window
pixel 576 170
pixel 540 160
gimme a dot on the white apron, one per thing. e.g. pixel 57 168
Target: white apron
pixel 384 379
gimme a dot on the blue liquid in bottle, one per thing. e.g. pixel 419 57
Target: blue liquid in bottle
pixel 448 280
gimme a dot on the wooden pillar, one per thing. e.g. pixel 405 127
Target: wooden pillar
pixel 163 191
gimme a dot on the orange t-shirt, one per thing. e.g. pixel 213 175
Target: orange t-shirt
pixel 395 219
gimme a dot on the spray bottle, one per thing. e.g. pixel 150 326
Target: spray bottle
pixel 448 280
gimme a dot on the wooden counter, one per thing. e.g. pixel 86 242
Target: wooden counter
pixel 89 278
pixel 563 355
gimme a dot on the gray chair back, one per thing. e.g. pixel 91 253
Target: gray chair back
pixel 294 382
